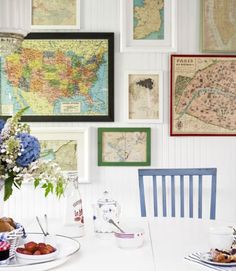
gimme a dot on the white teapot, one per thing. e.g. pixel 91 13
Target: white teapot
pixel 105 209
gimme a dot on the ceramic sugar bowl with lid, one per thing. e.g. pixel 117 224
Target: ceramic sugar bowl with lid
pixel 105 209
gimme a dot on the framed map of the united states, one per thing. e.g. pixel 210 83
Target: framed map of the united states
pixel 60 77
pixel 203 95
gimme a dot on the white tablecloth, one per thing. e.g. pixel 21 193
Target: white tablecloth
pixel 167 242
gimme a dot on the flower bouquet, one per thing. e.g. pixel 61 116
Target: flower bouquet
pixel 20 160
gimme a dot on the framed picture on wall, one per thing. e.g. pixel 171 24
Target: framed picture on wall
pixel 60 77
pixel 145 96
pixel 55 14
pixel 218 26
pixel 203 93
pixel 148 26
pixel 67 146
pixel 124 146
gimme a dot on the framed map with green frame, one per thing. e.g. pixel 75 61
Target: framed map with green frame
pixel 124 146
pixel 60 77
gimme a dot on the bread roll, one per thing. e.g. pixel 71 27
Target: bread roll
pixel 9 220
pixel 5 226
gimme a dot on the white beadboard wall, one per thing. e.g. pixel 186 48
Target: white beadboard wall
pixel 220 152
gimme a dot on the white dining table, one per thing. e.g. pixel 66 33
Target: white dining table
pixel 167 242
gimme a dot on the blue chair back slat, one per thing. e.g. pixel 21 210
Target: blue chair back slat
pixel 182 196
pixel 200 196
pixel 199 172
pixel 191 196
pixel 213 197
pixel 155 201
pixel 173 196
pixel 164 196
pixel 142 196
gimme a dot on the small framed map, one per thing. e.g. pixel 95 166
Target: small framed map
pixel 60 77
pixel 203 95
pixel 148 25
pixel 218 26
pixel 145 96
pixel 68 147
pixel 55 14
pixel 124 146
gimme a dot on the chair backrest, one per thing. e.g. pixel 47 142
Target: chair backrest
pixel 181 173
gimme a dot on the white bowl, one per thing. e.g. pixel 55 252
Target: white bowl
pixel 221 237
pixel 132 238
pixel 25 258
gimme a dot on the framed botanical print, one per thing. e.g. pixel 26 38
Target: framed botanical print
pixel 148 26
pixel 68 147
pixel 145 96
pixel 60 77
pixel 218 26
pixel 55 14
pixel 124 146
pixel 203 95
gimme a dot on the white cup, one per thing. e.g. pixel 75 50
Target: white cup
pixel 221 237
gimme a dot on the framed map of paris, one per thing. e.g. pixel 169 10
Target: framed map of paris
pixel 218 26
pixel 148 25
pixel 203 95
pixel 60 77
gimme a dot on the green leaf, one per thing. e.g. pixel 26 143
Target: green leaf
pixel 44 185
pixel 36 182
pixel 47 190
pixel 8 188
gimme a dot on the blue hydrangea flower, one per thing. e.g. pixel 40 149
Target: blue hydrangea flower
pixel 31 149
pixel 2 123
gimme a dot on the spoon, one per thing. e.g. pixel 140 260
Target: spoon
pixel 44 233
pixel 113 223
pixel 46 224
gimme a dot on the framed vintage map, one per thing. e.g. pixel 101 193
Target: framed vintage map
pixel 145 96
pixel 148 25
pixel 60 77
pixel 203 95
pixel 218 26
pixel 55 14
pixel 124 146
pixel 68 147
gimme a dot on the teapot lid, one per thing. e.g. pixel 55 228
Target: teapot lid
pixel 106 199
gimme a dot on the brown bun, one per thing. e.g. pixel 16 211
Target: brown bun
pixel 9 220
pixel 5 226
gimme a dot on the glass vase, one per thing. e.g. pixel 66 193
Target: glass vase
pixel 73 216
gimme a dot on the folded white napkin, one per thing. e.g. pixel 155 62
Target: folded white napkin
pixel 195 257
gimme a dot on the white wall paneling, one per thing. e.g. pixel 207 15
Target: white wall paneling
pixel 220 152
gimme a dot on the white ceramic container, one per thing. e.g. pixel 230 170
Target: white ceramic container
pixel 132 238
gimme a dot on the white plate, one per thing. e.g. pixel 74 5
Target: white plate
pixel 206 258
pixel 66 247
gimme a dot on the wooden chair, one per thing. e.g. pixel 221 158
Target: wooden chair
pixel 181 173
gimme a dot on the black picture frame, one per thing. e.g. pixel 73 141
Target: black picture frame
pixel 108 102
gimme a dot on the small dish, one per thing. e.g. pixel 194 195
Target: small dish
pixel 206 258
pixel 25 258
pixel 132 238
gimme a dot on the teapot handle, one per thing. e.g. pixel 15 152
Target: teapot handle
pixel 118 208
